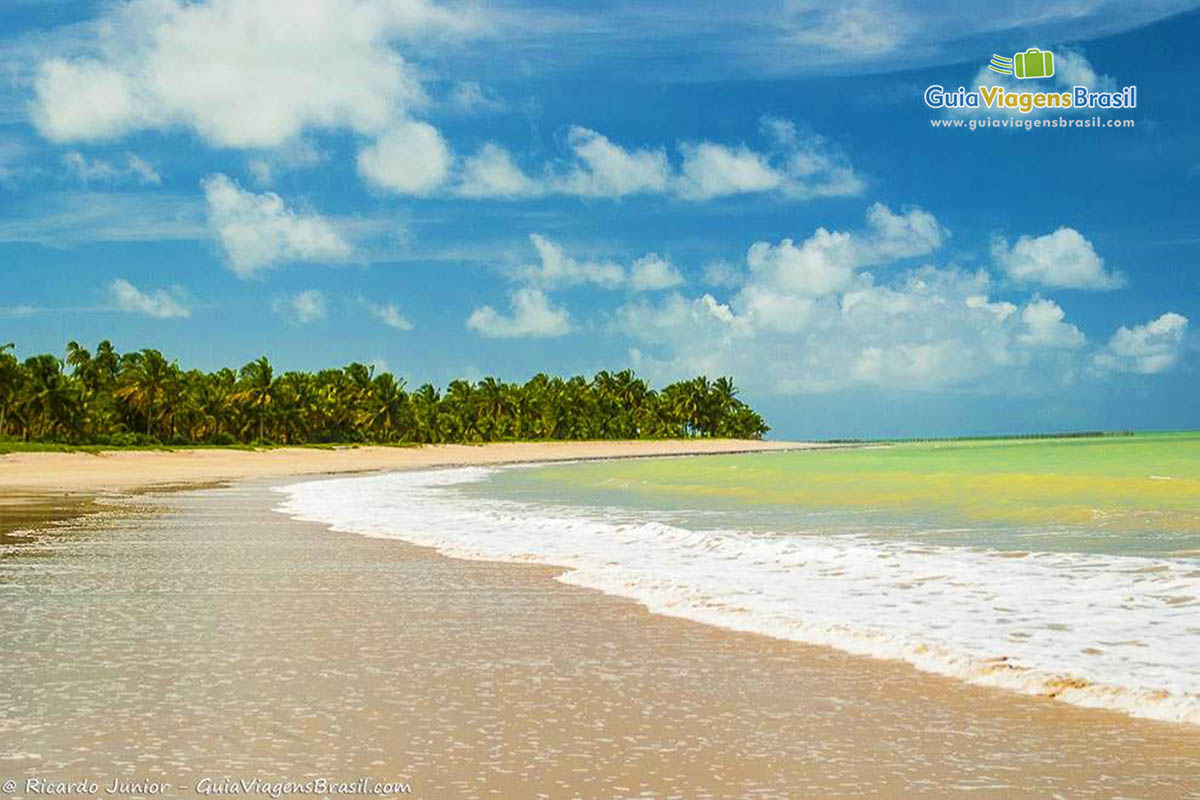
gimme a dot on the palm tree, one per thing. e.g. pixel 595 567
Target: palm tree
pixel 143 381
pixel 106 363
pixel 109 393
pixel 494 407
pixel 460 406
pixel 10 383
pixel 257 380
pixel 387 414
pixel 51 403
pixel 427 417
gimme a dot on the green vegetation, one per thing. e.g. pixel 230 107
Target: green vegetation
pixel 143 400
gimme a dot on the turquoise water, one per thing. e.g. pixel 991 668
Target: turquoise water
pixel 637 488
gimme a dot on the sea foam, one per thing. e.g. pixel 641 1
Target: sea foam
pixel 1115 632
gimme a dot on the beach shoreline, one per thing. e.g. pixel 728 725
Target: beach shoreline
pixel 117 470
pixel 334 655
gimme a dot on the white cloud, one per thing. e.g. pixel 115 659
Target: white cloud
pixel 532 317
pixel 303 307
pixel 818 321
pixel 159 303
pixel 1045 326
pixel 411 158
pixel 811 165
pixel 390 315
pixel 796 165
pixel 242 73
pixel 491 172
pixel 892 236
pixel 605 169
pixel 1147 349
pixel 258 231
pixel 1002 310
pixel 825 263
pixel 821 265
pixel 652 273
pixel 100 171
pixel 142 170
pixel 713 170
pixel 1063 259
pixel 556 269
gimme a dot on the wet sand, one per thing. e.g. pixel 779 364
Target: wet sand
pixel 22 513
pixel 202 635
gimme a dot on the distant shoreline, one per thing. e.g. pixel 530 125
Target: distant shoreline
pixel 116 470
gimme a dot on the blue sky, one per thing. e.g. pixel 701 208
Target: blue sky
pixel 453 190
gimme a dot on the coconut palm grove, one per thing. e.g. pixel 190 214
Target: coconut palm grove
pixel 143 399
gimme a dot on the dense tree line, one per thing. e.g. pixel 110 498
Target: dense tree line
pixel 115 398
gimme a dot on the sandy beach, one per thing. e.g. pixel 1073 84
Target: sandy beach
pixel 163 622
pixel 117 470
pixel 198 634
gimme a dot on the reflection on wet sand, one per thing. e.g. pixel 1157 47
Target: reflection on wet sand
pixel 203 635
pixel 25 517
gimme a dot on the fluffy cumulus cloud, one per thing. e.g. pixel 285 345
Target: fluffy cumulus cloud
pixel 532 316
pixel 842 309
pixel 239 73
pixel 258 231
pixel 302 307
pixel 605 169
pixel 712 170
pixel 1045 326
pixel 556 269
pixel 793 164
pixel 1063 259
pixel 411 158
pixel 1153 347
pixel 826 262
pixel 652 273
pixel 491 172
pixel 159 303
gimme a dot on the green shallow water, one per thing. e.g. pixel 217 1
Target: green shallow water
pixel 1134 495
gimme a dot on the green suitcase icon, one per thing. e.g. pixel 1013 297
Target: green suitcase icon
pixel 1034 63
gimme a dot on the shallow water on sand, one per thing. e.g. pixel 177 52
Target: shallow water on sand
pixel 204 636
pixel 1103 613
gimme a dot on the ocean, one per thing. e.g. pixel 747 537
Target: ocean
pixel 1064 568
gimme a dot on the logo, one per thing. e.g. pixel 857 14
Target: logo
pixel 1033 63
